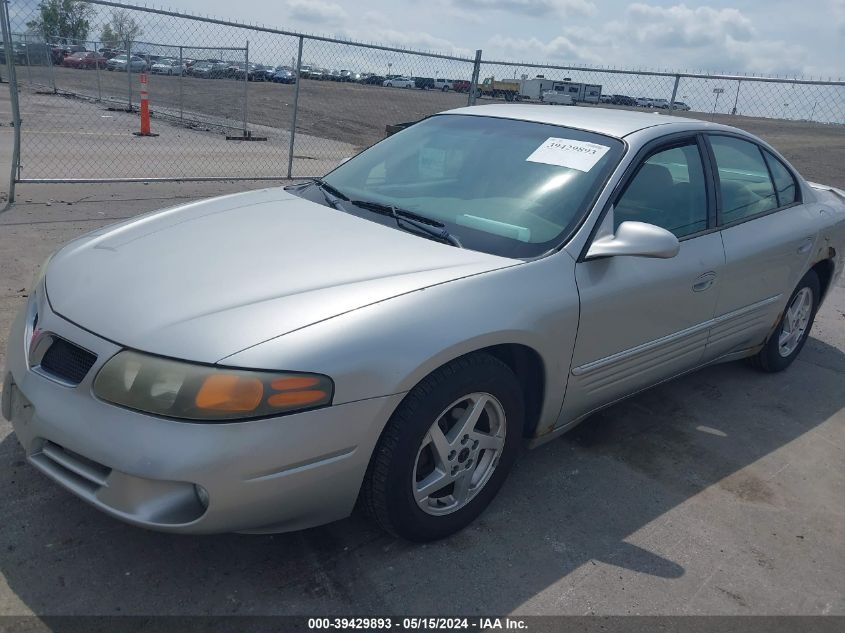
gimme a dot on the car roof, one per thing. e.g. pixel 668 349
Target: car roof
pixel 607 121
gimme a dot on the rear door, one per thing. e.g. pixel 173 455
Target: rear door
pixel 768 238
pixel 645 320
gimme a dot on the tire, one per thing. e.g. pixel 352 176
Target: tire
pixel 389 488
pixel 801 309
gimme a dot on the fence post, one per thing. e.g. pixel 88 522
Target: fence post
pixel 97 69
pixel 674 93
pixel 50 62
pixel 246 86
pixel 295 107
pixel 13 98
pixel 28 62
pixel 129 74
pixel 473 84
pixel 181 88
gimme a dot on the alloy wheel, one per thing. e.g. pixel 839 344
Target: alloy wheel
pixel 795 321
pixel 459 453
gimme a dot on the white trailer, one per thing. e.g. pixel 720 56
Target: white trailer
pixel 580 93
pixel 534 88
pixel 557 97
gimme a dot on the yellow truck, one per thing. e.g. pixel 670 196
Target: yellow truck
pixel 495 89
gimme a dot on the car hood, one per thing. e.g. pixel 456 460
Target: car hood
pixel 204 280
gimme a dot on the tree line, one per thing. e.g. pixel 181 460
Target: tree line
pixel 72 21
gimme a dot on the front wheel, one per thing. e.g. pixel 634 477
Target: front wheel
pixel 446 450
pixel 792 331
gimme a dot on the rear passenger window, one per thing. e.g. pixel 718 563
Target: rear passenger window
pixel 668 191
pixel 745 186
pixel 784 182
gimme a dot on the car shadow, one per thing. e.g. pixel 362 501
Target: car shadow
pixel 598 496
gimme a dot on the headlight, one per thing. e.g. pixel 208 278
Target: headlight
pixel 177 389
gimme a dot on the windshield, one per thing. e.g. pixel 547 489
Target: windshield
pixel 506 187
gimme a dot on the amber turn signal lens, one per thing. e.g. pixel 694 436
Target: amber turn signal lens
pixel 296 398
pixel 227 392
pixel 294 383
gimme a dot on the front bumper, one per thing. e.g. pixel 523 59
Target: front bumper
pixel 269 475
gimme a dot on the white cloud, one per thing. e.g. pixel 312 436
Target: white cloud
pixel 317 11
pixel 566 47
pixel 838 10
pixel 532 8
pixel 717 39
pixel 378 32
pixel 682 26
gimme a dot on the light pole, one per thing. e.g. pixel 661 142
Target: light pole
pixel 389 66
pixel 717 91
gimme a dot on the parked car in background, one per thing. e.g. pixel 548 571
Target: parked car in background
pixel 108 53
pixel 443 84
pixel 208 70
pixel 269 72
pixel 680 105
pixel 60 51
pixel 346 75
pixel 461 85
pixel 606 99
pixel 258 72
pixel 305 71
pixel 318 74
pixel 652 102
pixel 120 63
pixel 400 82
pixel 623 100
pixel 374 80
pixel 284 75
pixel 558 97
pixel 85 60
pixel 167 66
pixel 423 83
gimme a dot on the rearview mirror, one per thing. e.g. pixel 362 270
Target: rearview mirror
pixel 636 239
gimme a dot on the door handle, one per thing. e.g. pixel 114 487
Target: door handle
pixel 806 246
pixel 704 282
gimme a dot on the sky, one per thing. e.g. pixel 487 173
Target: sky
pixel 782 37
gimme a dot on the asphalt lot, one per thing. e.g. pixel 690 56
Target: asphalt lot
pixel 720 492
pixel 332 117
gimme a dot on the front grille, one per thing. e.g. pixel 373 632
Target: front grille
pixel 67 362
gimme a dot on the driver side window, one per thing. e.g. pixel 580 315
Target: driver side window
pixel 668 191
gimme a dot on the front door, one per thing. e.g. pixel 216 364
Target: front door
pixel 644 320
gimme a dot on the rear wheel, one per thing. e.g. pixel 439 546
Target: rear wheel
pixel 792 331
pixel 446 450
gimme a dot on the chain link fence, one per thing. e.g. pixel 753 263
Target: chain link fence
pixel 235 101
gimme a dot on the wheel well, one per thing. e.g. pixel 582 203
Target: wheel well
pixel 824 270
pixel 527 366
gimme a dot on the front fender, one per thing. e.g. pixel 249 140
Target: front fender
pixel 388 347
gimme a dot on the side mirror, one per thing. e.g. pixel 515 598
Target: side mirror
pixel 636 239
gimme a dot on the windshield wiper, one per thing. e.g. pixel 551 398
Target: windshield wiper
pixel 431 228
pixel 330 194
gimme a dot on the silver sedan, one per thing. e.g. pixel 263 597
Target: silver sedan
pixel 389 335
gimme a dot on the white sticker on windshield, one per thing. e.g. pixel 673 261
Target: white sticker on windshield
pixel 579 155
